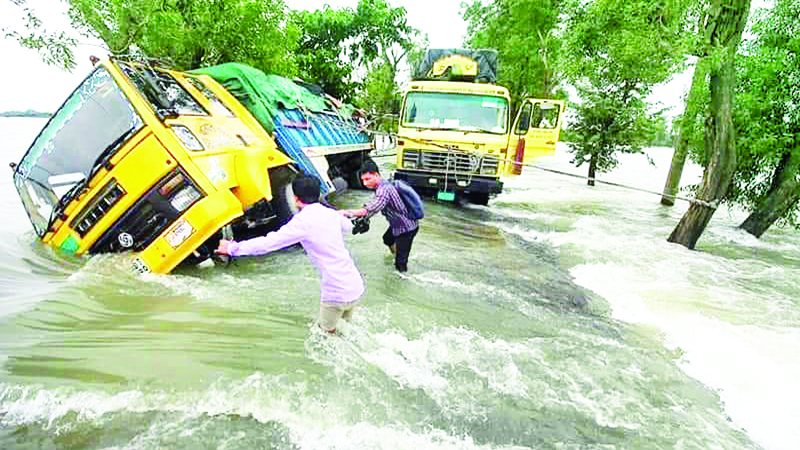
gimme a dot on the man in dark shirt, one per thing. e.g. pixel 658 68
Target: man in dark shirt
pixel 402 229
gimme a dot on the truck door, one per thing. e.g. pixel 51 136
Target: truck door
pixel 535 132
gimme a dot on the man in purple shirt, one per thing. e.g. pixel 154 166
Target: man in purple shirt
pixel 402 229
pixel 319 230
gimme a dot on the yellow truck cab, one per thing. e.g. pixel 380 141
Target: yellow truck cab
pixel 154 162
pixel 455 137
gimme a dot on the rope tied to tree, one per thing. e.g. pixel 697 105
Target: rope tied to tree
pixel 714 204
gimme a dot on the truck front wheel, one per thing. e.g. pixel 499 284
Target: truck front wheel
pixel 478 198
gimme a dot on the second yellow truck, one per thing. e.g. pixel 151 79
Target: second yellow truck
pixel 456 139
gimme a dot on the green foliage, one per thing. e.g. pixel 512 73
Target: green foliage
pixel 608 123
pixel 767 105
pixel 190 34
pixel 379 97
pixel 320 48
pixel 662 133
pixel 55 49
pixel 525 34
pixel 382 33
pixel 336 44
pixel 618 50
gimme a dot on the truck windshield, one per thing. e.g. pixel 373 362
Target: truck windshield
pixel 91 125
pixel 462 112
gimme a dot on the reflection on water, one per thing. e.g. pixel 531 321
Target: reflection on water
pixel 556 318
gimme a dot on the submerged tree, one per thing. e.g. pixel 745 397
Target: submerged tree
pixel 609 122
pixel 696 101
pixel 723 28
pixel 619 51
pixel 767 181
pixel 692 116
pixel 193 33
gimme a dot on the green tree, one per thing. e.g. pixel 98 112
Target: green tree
pixel 525 34
pixel 383 35
pixel 193 33
pixel 609 123
pixel 55 48
pixel 689 126
pixel 319 54
pixel 662 133
pixel 723 29
pixel 618 51
pixel 339 49
pixel 767 180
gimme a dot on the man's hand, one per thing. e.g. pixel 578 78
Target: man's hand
pixel 224 247
pixel 353 212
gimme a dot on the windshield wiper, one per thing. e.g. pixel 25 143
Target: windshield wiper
pixel 165 108
pixel 58 210
pixel 477 130
pixel 103 159
pixel 437 128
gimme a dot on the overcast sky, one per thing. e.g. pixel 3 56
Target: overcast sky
pixel 27 83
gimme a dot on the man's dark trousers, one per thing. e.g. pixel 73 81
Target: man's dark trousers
pixel 403 247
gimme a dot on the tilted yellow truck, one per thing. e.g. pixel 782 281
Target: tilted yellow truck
pixel 161 164
pixel 455 139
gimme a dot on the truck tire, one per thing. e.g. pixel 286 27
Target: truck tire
pixel 203 252
pixel 478 198
pixel 283 206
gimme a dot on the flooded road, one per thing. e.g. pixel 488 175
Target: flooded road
pixel 558 317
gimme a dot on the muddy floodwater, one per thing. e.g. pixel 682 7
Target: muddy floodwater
pixel 558 317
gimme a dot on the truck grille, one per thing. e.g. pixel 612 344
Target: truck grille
pixel 450 161
pixel 150 216
pixel 111 193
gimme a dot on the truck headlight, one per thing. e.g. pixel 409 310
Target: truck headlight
pixel 489 165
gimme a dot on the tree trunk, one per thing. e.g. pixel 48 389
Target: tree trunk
pixel 592 170
pixel 724 25
pixel 682 140
pixel 784 195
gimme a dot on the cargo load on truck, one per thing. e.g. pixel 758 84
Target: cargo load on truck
pixel 458 65
pixel 324 136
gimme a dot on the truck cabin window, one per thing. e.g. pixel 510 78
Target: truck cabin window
pixel 445 111
pixel 545 115
pixel 524 119
pixel 163 91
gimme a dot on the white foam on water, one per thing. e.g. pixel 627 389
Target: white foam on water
pixel 753 368
pixel 311 424
pixel 487 292
pixel 730 309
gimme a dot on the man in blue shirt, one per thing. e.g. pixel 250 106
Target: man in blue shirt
pixel 402 229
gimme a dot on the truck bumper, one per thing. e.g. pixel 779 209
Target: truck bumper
pixel 461 184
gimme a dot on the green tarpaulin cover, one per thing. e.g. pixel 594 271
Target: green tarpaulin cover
pixel 263 95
